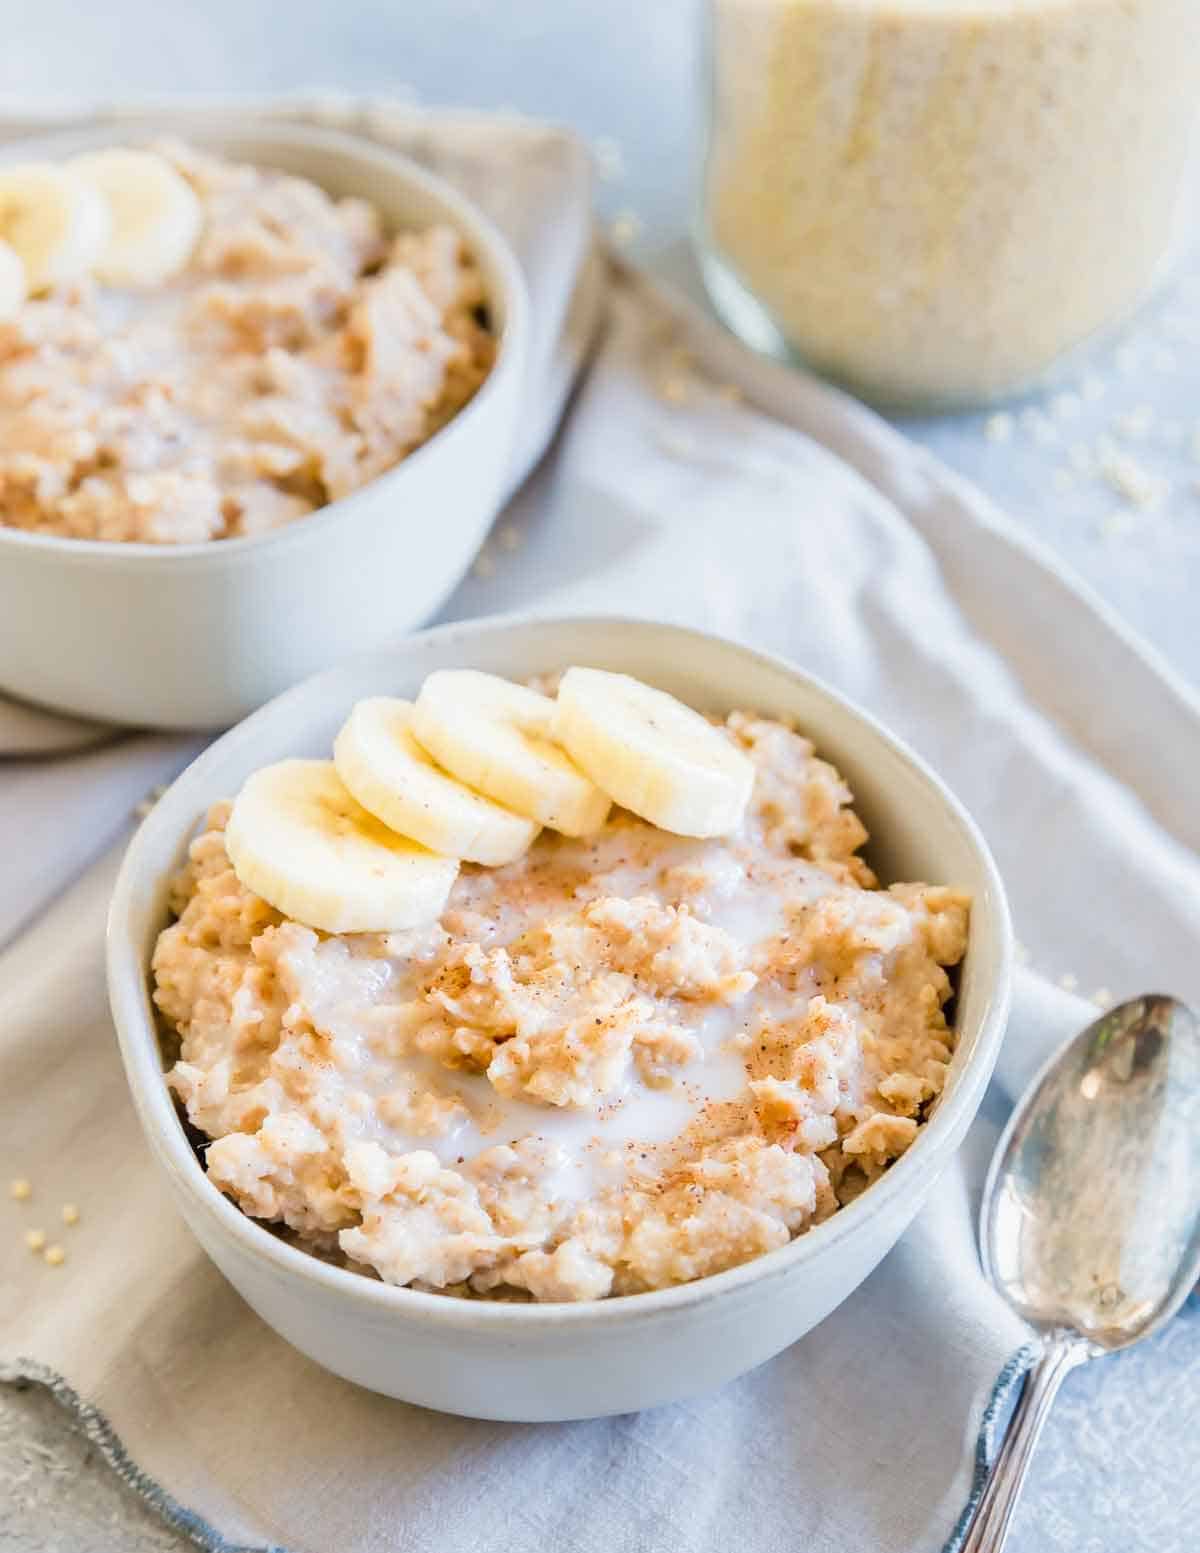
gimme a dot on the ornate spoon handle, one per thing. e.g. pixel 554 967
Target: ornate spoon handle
pixel 988 1531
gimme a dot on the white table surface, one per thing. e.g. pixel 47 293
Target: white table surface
pixel 1105 469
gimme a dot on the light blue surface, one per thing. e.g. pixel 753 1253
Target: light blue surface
pixel 1120 1465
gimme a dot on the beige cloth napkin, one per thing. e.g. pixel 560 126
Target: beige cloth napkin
pixel 694 482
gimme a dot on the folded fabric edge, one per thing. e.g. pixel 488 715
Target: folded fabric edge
pixel 95 1428
pixel 872 443
pixel 1008 1382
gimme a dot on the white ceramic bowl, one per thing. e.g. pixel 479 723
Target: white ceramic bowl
pixel 183 636
pixel 536 1362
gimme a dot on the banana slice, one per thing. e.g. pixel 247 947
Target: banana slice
pixel 13 286
pixel 156 216
pixel 651 753
pixel 297 838
pixel 393 778
pixel 496 737
pixel 56 223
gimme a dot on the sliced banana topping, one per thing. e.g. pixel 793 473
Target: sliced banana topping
pixel 497 737
pixel 13 285
pixel 399 782
pixel 653 755
pixel 57 224
pixel 370 841
pixel 297 838
pixel 155 215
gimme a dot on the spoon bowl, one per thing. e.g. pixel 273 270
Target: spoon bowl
pixel 1091 1212
pixel 1090 1224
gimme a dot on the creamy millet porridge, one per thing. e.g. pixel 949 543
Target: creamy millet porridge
pixel 617 1064
pixel 299 354
pixel 934 198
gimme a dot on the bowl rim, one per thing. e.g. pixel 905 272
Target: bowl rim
pixel 138 1039
pixel 483 236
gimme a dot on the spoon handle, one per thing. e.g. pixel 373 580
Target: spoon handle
pixel 988 1531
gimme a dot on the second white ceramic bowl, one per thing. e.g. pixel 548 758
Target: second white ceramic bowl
pixel 196 636
pixel 538 1362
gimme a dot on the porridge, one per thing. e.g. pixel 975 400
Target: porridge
pixel 279 352
pixel 619 1061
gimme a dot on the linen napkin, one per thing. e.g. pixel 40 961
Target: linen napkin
pixel 693 482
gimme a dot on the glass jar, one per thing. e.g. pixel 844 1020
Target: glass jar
pixel 932 200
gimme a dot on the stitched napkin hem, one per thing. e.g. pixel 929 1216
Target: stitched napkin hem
pixel 1008 1385
pixel 97 1430
pixel 95 1427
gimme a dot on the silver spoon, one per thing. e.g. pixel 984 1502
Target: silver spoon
pixel 1090 1225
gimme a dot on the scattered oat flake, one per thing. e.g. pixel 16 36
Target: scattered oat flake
pixel 998 427
pixel 21 1189
pixel 1022 953
pixel 1102 997
pixel 626 227
pixel 1135 423
pixel 55 1255
pixel 70 1213
pixel 1068 982
pixel 1119 522
pixel 35 1239
pixel 1138 485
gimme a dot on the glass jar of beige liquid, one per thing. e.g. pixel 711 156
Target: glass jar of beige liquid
pixel 933 200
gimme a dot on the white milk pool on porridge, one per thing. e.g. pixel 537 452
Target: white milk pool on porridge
pixel 600 1146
